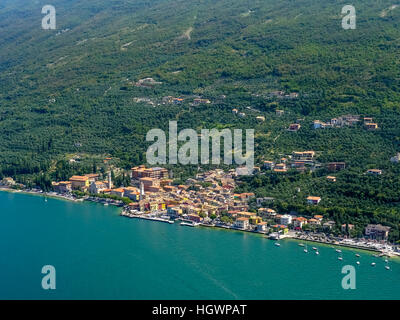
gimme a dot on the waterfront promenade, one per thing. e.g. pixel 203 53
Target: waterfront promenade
pixel 382 249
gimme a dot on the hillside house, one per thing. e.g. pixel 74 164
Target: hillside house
pixel 377 232
pixel 336 166
pixel 313 200
pixel 294 127
pixel 375 172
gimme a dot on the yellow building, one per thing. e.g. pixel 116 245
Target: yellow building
pixel 79 182
pixel 255 220
pixel 244 214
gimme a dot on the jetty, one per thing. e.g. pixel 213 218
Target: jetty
pixel 145 217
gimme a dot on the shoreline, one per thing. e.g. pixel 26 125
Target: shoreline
pixel 43 194
pixel 62 197
pixel 295 238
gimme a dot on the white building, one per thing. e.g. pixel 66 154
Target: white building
pixel 286 219
pixel 396 158
pixel 97 186
pixel 242 223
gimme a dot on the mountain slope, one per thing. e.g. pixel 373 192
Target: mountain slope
pixel 242 49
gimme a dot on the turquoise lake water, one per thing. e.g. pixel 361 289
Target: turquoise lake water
pixel 100 255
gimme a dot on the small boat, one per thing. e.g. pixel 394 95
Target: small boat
pixel 339 251
pixel 187 224
pixel 314 248
pixel 387 267
pixel 277 244
pixel 357 255
pixel 305 250
pixel 301 244
pixel 386 260
pixel 358 262
pixel 340 258
pixel 373 264
pixel 106 204
pixel 316 252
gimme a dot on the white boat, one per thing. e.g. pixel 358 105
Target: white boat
pixel 339 251
pixel 358 262
pixel 106 204
pixel 301 244
pixel 340 258
pixel 386 260
pixel 189 224
pixel 387 267
pixel 316 252
pixel 373 264
pixel 277 244
pixel 357 255
pixel 314 248
pixel 305 250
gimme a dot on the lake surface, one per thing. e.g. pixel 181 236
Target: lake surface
pixel 98 254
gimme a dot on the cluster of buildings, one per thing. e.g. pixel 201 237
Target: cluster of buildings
pixel 147 83
pixel 346 120
pixel 10 183
pixel 297 160
pixel 300 160
pixel 207 194
pixel 173 100
pixel 242 115
pixel 199 101
pixel 86 183
pixel 283 223
pixel 283 95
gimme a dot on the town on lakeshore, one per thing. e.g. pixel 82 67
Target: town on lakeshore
pixel 208 199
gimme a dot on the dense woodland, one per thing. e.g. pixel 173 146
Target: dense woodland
pixel 72 90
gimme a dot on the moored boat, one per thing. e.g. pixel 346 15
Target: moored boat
pixel 189 224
